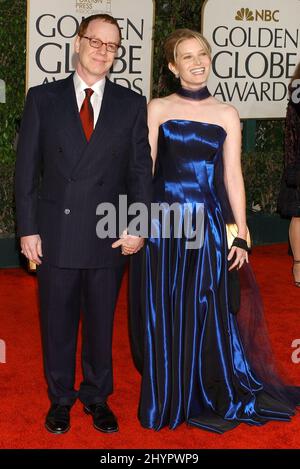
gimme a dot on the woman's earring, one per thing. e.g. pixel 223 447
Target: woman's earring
pixel 176 75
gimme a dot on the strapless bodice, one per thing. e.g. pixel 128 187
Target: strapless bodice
pixel 189 164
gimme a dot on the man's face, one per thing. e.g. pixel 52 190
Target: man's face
pixel 94 63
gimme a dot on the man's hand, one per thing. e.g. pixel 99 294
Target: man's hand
pixel 31 247
pixel 129 244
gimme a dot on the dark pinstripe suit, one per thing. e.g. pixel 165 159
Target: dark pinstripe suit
pixel 60 180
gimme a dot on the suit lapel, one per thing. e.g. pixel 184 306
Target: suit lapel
pixel 69 114
pixel 104 124
pixel 71 128
pixel 106 115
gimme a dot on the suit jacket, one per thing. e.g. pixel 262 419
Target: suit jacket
pixel 61 178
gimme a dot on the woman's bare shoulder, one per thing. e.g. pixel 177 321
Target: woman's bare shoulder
pixel 226 110
pixel 157 107
pixel 160 103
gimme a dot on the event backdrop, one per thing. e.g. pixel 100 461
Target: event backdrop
pixel 52 27
pixel 256 46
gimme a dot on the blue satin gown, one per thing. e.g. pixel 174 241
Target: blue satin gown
pixel 194 366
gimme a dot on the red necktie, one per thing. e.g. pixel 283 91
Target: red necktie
pixel 87 114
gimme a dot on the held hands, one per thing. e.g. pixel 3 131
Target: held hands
pixel 31 247
pixel 129 244
pixel 240 257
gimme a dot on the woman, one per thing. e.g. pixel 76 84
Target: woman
pixel 198 365
pixel 289 196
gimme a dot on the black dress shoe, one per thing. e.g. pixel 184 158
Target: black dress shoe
pixel 58 419
pixel 103 417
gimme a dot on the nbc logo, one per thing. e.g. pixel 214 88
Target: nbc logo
pixel 244 14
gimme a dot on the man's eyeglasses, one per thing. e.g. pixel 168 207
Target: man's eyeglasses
pixel 97 43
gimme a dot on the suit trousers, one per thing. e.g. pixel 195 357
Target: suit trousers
pixel 64 293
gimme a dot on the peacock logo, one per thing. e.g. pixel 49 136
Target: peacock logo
pixel 244 14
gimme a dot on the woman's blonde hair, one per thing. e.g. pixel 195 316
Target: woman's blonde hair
pixel 176 37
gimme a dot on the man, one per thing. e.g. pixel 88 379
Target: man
pixel 83 141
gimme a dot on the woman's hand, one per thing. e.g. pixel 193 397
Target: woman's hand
pixel 240 257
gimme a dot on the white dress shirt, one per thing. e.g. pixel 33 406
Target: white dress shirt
pixel 96 98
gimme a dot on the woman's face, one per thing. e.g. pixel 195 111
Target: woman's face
pixel 192 64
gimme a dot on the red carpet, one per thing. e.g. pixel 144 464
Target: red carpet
pixel 23 391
